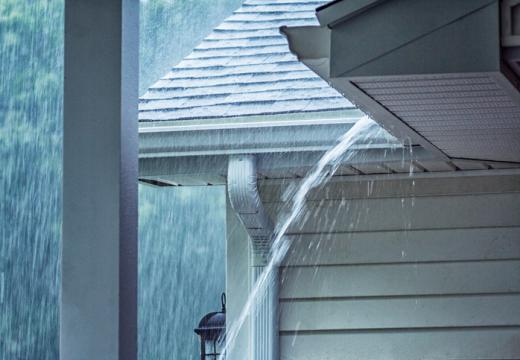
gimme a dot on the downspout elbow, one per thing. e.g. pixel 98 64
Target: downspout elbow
pixel 245 200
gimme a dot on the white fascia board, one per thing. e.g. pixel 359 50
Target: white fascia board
pixel 337 11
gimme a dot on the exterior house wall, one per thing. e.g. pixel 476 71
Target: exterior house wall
pixel 401 269
pixel 405 270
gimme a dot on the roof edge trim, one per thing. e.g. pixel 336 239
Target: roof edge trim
pixel 340 10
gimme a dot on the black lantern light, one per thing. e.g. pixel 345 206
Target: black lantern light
pixel 212 332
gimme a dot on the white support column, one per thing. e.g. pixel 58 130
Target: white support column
pixel 264 321
pixel 99 252
pixel 237 282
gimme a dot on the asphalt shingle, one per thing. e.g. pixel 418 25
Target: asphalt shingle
pixel 244 68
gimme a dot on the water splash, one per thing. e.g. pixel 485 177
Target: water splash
pixel 363 131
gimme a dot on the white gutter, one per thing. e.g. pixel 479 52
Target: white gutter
pixel 249 137
pixel 245 200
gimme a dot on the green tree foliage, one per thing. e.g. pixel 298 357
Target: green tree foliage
pixel 31 58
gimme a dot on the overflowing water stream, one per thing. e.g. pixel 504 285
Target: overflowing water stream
pixel 363 131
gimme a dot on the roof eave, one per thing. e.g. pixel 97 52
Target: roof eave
pixel 389 60
pixel 311 45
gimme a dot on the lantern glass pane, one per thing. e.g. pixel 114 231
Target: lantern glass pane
pixel 221 342
pixel 210 348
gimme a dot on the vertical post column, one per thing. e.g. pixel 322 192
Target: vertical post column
pixel 99 251
pixel 264 320
pixel 237 282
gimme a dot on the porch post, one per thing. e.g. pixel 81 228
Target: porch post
pixel 99 251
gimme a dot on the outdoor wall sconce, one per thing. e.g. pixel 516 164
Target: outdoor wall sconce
pixel 212 332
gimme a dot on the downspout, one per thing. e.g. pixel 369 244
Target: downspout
pixel 245 200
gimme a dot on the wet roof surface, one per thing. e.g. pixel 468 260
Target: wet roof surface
pixel 244 68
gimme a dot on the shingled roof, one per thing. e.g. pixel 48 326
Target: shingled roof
pixel 244 68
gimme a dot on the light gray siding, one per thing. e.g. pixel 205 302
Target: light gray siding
pixel 403 269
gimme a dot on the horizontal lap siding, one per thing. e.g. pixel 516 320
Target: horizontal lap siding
pixel 339 188
pixel 489 210
pixel 401 279
pixel 474 344
pixel 398 313
pixel 424 277
pixel 404 246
